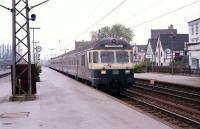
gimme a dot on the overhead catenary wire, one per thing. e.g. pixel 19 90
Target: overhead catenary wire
pixel 138 13
pixel 91 13
pixel 96 7
pixel 162 15
pixel 116 7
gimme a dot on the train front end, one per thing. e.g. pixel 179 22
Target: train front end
pixel 111 65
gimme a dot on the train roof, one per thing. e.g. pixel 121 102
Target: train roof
pixel 108 43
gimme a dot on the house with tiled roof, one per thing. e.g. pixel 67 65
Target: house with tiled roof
pixel 138 53
pixel 156 32
pixel 170 47
pixel 152 42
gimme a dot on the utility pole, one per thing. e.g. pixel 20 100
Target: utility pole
pixel 173 35
pixel 21 36
pixel 34 28
pixel 152 62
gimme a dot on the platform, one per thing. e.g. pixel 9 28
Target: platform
pixel 175 79
pixel 64 103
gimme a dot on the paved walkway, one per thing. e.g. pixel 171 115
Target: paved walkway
pixel 64 103
pixel 177 79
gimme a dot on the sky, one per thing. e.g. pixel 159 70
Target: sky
pixel 63 22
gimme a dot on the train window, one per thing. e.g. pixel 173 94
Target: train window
pixel 90 57
pixel 122 56
pixel 83 60
pixel 77 60
pixel 95 57
pixel 107 57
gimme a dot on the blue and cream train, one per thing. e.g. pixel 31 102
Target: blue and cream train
pixel 106 64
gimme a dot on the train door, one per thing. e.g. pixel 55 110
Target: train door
pixel 89 56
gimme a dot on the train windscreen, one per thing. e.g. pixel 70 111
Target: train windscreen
pixel 107 57
pixel 122 57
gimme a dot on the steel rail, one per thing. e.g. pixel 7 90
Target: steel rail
pixel 178 116
pixel 175 90
pixel 149 87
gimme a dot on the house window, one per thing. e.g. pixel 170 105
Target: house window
pixel 192 29
pixel 197 28
pixel 197 40
pixel 161 54
pixel 177 54
pixel 195 63
pixel 139 57
pixel 135 56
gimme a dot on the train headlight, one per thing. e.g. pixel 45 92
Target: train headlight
pixel 103 71
pixel 127 71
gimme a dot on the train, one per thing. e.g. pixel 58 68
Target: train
pixel 106 64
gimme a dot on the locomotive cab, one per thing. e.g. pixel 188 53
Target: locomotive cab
pixel 111 66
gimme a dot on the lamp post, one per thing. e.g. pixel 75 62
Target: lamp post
pixel 34 28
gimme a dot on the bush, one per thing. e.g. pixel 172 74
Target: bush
pixel 138 68
pixel 38 69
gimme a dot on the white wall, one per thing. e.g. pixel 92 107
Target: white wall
pixel 159 52
pixel 194 37
pixel 149 53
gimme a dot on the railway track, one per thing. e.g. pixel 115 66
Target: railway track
pixel 178 107
pixel 4 74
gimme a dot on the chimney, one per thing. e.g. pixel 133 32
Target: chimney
pixel 170 27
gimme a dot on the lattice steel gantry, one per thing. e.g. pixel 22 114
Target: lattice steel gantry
pixel 21 37
pixel 21 57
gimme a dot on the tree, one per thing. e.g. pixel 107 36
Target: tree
pixel 5 51
pixel 116 31
pixel 104 32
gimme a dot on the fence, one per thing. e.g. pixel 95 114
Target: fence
pixel 176 70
